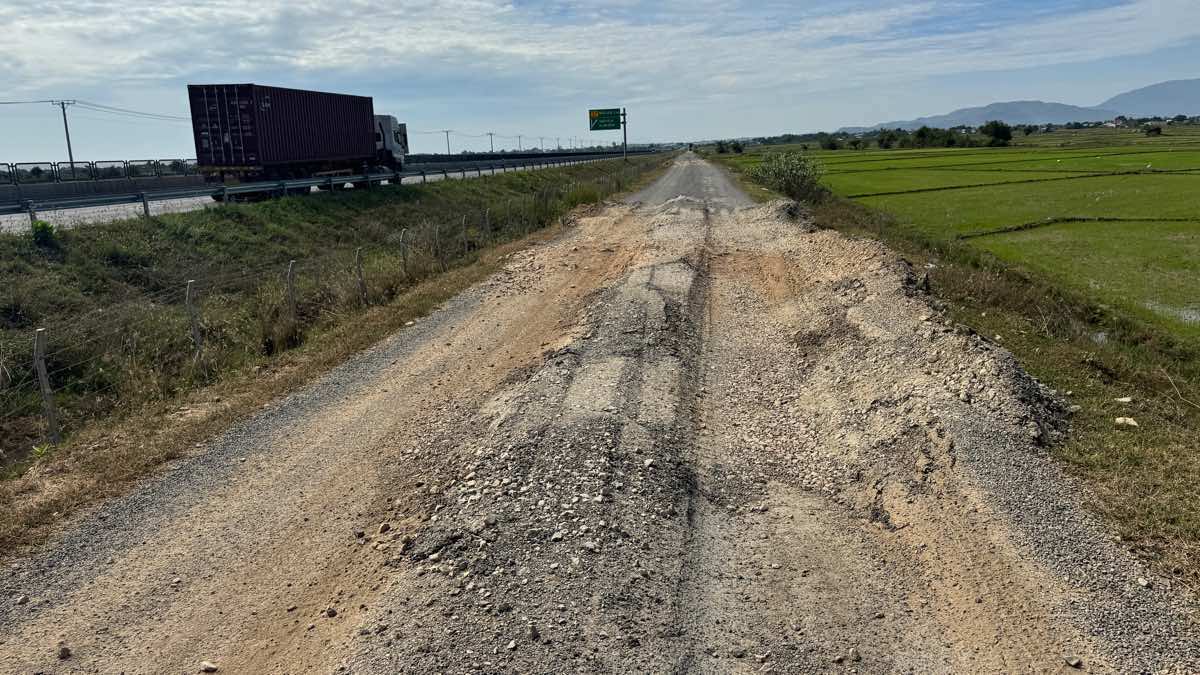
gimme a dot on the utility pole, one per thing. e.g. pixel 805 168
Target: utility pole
pixel 518 142
pixel 542 143
pixel 67 130
pixel 558 142
pixel 447 132
pixel 492 140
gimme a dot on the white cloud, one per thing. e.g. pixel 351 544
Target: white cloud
pixel 671 53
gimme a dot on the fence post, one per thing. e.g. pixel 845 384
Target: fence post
pixel 32 213
pixel 362 282
pixel 225 195
pixel 439 250
pixel 403 252
pixel 291 289
pixel 422 176
pixel 145 205
pixel 189 302
pixel 464 234
pixel 39 363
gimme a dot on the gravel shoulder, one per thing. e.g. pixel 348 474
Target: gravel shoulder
pixel 689 435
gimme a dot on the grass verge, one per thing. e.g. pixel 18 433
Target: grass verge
pixel 116 444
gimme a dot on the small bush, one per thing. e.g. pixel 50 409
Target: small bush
pixel 792 173
pixel 44 234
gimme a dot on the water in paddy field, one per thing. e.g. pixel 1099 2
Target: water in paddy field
pixel 1190 314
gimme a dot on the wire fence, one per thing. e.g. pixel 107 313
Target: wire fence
pixel 160 344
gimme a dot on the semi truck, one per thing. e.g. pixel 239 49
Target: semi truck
pixel 252 132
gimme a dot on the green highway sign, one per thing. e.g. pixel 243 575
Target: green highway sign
pixel 604 119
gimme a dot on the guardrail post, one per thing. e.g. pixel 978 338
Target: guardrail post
pixel 145 204
pixel 32 213
pixel 362 282
pixel 422 176
pixel 225 195
pixel 39 364
pixel 291 289
pixel 189 301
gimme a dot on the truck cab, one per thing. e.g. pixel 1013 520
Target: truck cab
pixel 391 141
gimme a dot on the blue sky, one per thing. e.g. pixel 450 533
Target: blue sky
pixel 685 69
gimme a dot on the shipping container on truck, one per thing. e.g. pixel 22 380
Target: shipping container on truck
pixel 248 132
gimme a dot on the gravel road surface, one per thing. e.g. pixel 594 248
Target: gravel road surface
pixel 690 434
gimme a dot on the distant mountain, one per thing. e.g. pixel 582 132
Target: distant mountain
pixel 1013 112
pixel 1177 97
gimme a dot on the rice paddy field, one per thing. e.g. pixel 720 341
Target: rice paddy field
pixel 1109 213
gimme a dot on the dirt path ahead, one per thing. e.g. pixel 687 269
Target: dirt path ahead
pixel 690 435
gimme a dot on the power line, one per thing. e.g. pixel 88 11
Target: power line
pixel 112 110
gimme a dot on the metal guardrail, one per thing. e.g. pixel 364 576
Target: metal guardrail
pixel 37 173
pixel 227 193
pixel 40 173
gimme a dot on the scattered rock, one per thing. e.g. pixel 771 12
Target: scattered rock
pixel 558 535
pixel 1126 422
pixel 853 655
pixel 512 644
pixel 64 652
pixel 22 599
pixel 384 528
pixel 1124 399
pixel 1073 661
pixel 1143 582
pixel 737 652
pixel 208 667
pixel 331 612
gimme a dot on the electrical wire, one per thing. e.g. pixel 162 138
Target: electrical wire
pixel 126 111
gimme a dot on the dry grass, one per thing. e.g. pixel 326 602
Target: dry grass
pixel 102 460
pixel 104 457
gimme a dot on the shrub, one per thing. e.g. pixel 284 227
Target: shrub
pixel 44 234
pixel 999 132
pixel 792 173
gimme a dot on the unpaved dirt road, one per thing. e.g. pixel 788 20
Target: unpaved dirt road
pixel 689 435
